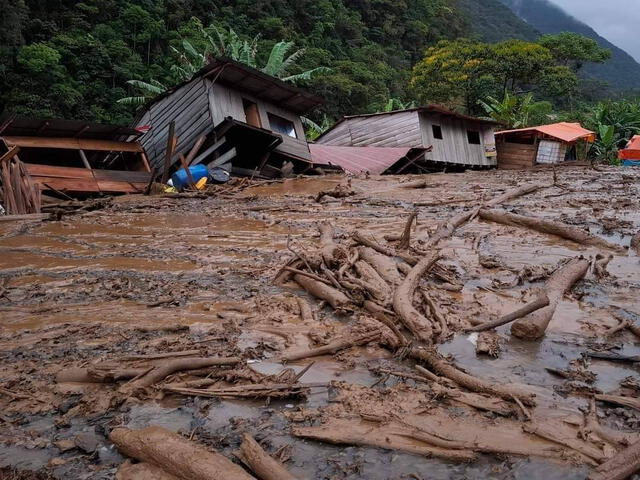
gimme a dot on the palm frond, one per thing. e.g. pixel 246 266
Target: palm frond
pixel 137 101
pixel 304 76
pixel 276 58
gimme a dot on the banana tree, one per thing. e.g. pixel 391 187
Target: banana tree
pixel 148 90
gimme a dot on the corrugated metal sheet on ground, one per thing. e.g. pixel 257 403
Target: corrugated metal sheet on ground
pixel 567 132
pixel 375 160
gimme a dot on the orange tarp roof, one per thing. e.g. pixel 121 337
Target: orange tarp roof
pixel 632 150
pixel 567 132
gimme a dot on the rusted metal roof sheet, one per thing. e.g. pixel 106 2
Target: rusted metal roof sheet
pixel 632 150
pixel 567 132
pixel 375 160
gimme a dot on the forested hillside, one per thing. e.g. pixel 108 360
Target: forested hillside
pixel 74 59
pixel 621 72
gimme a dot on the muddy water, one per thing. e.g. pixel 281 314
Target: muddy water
pixel 213 261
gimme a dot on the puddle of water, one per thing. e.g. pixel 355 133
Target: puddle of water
pixel 22 458
pixel 174 419
pixel 294 186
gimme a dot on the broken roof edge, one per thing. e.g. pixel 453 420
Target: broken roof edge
pixel 217 65
pixel 430 108
pixel 356 160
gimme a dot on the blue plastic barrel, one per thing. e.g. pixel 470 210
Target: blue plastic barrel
pixel 181 180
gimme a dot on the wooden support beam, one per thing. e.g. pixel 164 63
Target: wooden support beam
pixel 209 151
pixel 81 131
pixel 13 151
pixel 224 158
pixel 171 145
pixel 74 144
pixel 85 160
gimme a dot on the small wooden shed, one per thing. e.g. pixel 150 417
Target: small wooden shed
pixel 238 116
pixel 544 144
pixel 452 139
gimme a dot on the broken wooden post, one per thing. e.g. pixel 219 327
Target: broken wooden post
pixel 171 146
pixel 534 325
pixel 260 462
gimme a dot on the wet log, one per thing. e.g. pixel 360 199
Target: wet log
pixel 384 316
pixel 552 432
pixel 540 302
pixel 98 374
pixel 162 371
pixel 383 264
pixel 412 319
pixel 306 312
pixel 383 249
pixel 533 326
pixel 334 297
pixel 405 238
pixel 621 466
pixel 268 390
pixel 332 253
pixel 389 442
pixel 377 287
pixel 614 357
pixel 333 347
pixel 260 462
pixel 470 382
pixel 629 402
pixel 175 455
pixel 142 471
pixel 550 227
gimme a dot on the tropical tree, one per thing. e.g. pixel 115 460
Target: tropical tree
pixel 574 50
pixel 313 130
pixel 394 104
pixel 515 111
pixel 147 91
pixel 615 123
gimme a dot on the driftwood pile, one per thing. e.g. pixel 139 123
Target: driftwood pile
pixel 19 195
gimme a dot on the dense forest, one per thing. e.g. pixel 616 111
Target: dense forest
pixel 77 59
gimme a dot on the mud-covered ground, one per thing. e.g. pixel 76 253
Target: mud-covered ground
pixel 151 275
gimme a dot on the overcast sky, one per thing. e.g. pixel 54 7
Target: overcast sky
pixel 616 20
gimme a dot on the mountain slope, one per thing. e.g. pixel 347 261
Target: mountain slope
pixel 622 72
pixel 493 22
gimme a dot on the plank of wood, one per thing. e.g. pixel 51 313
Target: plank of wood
pixel 67 184
pixel 195 149
pixel 74 144
pixel 209 151
pixel 224 158
pixel 120 187
pixel 20 218
pixel 58 172
pixel 13 151
pixel 171 145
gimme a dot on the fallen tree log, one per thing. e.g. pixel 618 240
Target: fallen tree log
pixel 332 253
pixel 306 313
pixel 160 372
pixel 282 390
pixel 333 347
pixel 260 462
pixel 142 471
pixel 533 326
pixel 553 433
pixel 540 302
pixel 175 454
pixel 621 466
pixel 376 286
pixel 412 319
pixel 629 402
pixel 550 227
pixel 470 382
pixel 98 374
pixel 383 264
pixel 333 296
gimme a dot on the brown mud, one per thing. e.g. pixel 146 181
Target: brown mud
pixel 148 280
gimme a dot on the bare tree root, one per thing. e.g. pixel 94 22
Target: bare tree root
pixel 540 302
pixel 621 466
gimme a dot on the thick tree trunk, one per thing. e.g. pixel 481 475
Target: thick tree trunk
pixel 415 322
pixel 384 265
pixel 175 454
pixel 533 326
pixel 260 462
pixel 334 297
pixel 547 226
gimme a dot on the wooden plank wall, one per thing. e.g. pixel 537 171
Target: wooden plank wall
pixel 72 179
pixel 225 102
pixel 454 146
pixel 401 129
pixel 189 107
pixel 512 156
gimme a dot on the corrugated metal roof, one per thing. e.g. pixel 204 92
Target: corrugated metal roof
pixel 632 150
pixel 567 132
pixel 252 81
pixel 375 160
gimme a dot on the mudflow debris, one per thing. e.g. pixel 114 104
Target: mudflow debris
pixel 472 325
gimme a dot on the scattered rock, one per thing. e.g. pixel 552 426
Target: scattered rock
pixel 87 442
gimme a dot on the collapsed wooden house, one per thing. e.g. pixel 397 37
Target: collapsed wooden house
pixel 449 139
pixel 73 156
pixel 544 144
pixel 236 117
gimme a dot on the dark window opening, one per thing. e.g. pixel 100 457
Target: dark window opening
pixel 437 132
pixel 282 125
pixel 251 113
pixel 473 137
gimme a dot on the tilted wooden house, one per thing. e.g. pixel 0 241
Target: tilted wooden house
pixel 455 139
pixel 248 121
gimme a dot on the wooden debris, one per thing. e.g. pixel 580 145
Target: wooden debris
pixel 333 347
pixel 629 402
pixel 260 462
pixel 621 467
pixel 562 230
pixel 533 326
pixel 175 454
pixel 540 302
pixel 488 343
pixel 283 390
